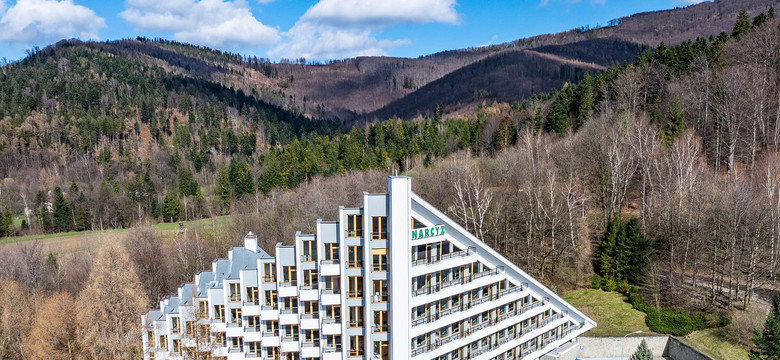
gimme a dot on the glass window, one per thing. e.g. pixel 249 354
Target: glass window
pixel 354 225
pixel 235 292
pixel 332 252
pixel 379 259
pixel 269 271
pixel 354 257
pixel 356 346
pixel 309 250
pixel 379 228
pixel 355 316
pixel 355 287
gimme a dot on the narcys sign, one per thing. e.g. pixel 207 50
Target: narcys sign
pixel 423 233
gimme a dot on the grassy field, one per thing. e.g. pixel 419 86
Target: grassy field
pixel 615 317
pixel 712 343
pixel 81 240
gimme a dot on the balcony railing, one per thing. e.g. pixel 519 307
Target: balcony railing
pixel 466 306
pixel 513 336
pixel 435 258
pixel 464 280
pixel 271 333
pixel 354 264
pixel 331 291
pixel 289 283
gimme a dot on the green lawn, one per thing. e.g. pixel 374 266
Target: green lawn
pixel 712 343
pixel 615 317
pixel 168 227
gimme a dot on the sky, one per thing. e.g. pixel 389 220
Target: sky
pixel 317 30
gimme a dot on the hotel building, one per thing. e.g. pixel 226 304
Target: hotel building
pixel 393 279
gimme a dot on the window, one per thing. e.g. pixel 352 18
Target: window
pixel 311 308
pixel 175 325
pixel 332 252
pixel 150 338
pixel 177 346
pixel 269 271
pixel 204 332
pixel 379 228
pixel 290 275
pixel 235 292
pixel 219 312
pixel 355 287
pixel 253 348
pixel 271 298
pixel 380 321
pixel 356 346
pixel 310 279
pixel 333 342
pixel 311 337
pixel 235 316
pixel 355 316
pixel 332 312
pixel 203 310
pixel 416 224
pixel 237 343
pixel 309 250
pixel 290 304
pixel 164 342
pixel 272 353
pixel 354 225
pixel 189 328
pixel 382 350
pixel 381 293
pixel 354 257
pixel 332 284
pixel 252 295
pixel 379 259
pixel 291 332
pixel 272 327
pixel 253 323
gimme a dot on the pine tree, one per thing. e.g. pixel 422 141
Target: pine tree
pixel 506 134
pixel 187 184
pixel 7 223
pixel 61 211
pixel 742 25
pixel 642 353
pixel 222 188
pixel 606 251
pixel 244 182
pixel 675 122
pixel 558 117
pixel 768 341
pixel 171 208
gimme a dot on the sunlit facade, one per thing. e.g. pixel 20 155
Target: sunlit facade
pixel 393 279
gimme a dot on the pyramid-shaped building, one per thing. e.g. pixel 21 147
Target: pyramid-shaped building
pixel 394 279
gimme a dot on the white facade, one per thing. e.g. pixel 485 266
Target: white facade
pixel 394 279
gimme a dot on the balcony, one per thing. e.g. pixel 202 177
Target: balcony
pixel 467 306
pixel 435 259
pixel 330 268
pixel 462 281
pixel 476 328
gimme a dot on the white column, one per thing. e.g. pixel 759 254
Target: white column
pixel 400 190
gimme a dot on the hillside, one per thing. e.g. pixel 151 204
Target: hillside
pixel 366 87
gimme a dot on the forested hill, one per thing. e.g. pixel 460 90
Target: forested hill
pixel 114 134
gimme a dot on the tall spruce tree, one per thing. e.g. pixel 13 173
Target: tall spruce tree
pixel 61 211
pixel 222 188
pixel 742 25
pixel 675 122
pixel 768 341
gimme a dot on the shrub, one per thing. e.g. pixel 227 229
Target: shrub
pixel 667 320
pixel 610 285
pixel 740 328
pixel 624 287
pixel 674 322
pixel 596 281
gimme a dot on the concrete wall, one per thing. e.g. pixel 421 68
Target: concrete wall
pixel 612 347
pixel 677 350
pixel 623 347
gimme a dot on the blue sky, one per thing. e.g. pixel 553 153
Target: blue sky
pixel 315 29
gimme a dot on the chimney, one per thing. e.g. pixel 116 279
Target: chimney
pixel 250 241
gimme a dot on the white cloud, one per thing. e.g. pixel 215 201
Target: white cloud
pixel 214 23
pixel 337 29
pixel 320 42
pixel 381 12
pixel 42 22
